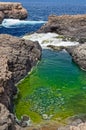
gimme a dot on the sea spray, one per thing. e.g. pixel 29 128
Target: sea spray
pixel 46 39
pixel 13 23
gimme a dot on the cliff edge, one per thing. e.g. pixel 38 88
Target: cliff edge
pixel 17 57
pixel 67 25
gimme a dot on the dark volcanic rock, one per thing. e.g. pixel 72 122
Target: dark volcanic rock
pixel 68 25
pixel 17 57
pixel 79 55
pixel 12 10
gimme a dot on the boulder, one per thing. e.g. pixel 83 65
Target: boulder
pixel 56 48
pixel 12 10
pixel 78 54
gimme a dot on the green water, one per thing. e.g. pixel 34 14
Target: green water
pixel 56 87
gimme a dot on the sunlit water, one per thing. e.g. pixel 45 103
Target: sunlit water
pixel 56 87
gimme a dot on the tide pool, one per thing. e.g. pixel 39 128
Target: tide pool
pixel 56 87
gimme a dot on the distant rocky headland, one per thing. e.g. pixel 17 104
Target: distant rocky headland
pixel 12 10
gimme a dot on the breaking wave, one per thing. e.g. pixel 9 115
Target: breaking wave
pixel 13 23
pixel 46 39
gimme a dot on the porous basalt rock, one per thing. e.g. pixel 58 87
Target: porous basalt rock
pixel 68 25
pixel 17 57
pixel 78 54
pixel 7 120
pixel 12 10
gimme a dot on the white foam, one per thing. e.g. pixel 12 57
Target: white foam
pixel 8 23
pixel 46 39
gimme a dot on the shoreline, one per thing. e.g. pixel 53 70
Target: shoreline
pixel 54 29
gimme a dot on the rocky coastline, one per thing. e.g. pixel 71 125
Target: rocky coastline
pixel 71 27
pixel 12 10
pixel 17 57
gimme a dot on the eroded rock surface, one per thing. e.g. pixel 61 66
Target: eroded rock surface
pixel 17 56
pixel 12 10
pixel 7 121
pixel 68 25
pixel 79 55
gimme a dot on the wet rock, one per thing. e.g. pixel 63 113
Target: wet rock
pixel 12 10
pixel 56 48
pixel 25 121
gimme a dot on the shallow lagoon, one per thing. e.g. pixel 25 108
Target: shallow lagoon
pixel 56 87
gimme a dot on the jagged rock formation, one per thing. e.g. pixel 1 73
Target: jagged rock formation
pixel 17 57
pixel 68 25
pixel 12 10
pixel 7 121
pixel 78 54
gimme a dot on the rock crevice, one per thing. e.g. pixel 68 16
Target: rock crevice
pixel 17 57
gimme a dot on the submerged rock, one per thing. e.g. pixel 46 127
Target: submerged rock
pixel 12 10
pixel 25 121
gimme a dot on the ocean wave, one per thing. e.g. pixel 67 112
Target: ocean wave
pixel 13 23
pixel 46 39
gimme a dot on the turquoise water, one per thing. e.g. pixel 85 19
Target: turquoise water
pixel 56 87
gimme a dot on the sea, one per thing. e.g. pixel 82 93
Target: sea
pixel 39 10
pixel 56 87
